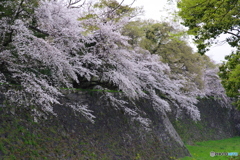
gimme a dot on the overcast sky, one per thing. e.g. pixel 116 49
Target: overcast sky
pixel 156 9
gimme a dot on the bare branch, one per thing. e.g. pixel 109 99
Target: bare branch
pixel 132 2
pixel 38 30
pixel 114 9
pixel 236 35
pixel 73 4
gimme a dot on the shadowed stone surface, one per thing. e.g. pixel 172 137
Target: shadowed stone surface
pixel 216 123
pixel 114 135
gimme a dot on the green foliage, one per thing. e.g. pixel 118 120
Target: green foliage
pixel 208 19
pixel 156 35
pixel 230 75
pixel 117 10
pixel 114 5
pixel 168 42
pixel 114 11
pixel 135 31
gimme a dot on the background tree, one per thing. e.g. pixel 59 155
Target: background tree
pixel 196 72
pixel 206 21
pixel 135 30
pixel 230 75
pixel 116 10
pixel 209 19
pixel 156 35
pixel 166 41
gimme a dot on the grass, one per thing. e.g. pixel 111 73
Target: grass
pixel 201 150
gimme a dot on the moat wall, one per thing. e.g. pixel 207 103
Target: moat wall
pixel 113 135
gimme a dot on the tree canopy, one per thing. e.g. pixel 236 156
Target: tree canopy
pixel 58 44
pixel 230 75
pixel 207 19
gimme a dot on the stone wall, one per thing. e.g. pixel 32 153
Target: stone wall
pixel 216 123
pixel 113 135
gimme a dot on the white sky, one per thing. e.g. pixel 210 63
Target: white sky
pixel 156 9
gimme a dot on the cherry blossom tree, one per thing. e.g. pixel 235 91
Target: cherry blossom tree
pixel 214 88
pixel 135 72
pixel 62 43
pixel 42 54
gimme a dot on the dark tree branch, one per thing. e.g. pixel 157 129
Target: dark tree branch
pixel 236 35
pixel 119 5
pixel 38 30
pixel 132 3
pixel 71 4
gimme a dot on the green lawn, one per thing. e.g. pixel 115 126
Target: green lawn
pixel 201 150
